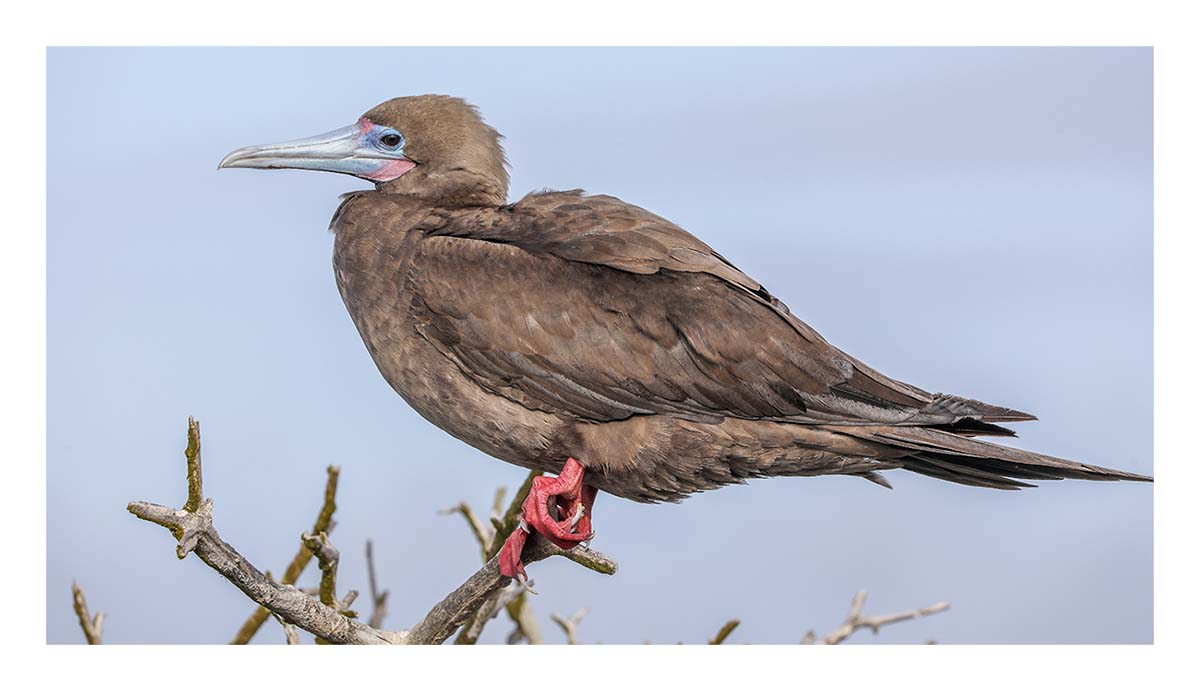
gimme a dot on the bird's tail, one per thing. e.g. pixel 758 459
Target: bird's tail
pixel 968 461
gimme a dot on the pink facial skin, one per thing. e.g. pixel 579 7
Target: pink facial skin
pixel 392 170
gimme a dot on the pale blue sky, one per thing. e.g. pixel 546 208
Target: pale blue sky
pixel 977 221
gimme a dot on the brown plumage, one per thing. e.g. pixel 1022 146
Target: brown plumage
pixel 574 325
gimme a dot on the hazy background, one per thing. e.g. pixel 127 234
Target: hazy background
pixel 977 221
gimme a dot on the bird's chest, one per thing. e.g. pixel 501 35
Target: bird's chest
pixel 374 267
pixel 373 262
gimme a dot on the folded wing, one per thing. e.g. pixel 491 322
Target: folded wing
pixel 591 307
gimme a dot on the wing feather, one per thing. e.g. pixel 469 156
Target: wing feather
pixel 588 306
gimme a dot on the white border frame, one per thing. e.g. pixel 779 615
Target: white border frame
pixel 748 22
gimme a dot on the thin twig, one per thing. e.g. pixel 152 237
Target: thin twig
pixel 195 476
pixel 498 501
pixel 289 631
pixel 93 627
pixel 322 524
pixel 499 601
pixel 526 625
pixel 483 535
pixel 469 633
pixel 569 624
pixel 726 629
pixel 855 620
pixel 378 599
pixel 327 559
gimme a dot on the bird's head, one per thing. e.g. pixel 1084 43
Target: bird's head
pixel 434 147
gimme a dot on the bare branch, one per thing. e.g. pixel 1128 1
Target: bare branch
pixel 285 600
pixel 378 599
pixel 569 624
pixel 874 623
pixel 855 620
pixel 724 632
pixel 93 627
pixel 195 532
pixel 469 633
pixel 500 601
pixel 526 623
pixel 322 524
pixel 195 477
pixel 461 604
pixel 327 559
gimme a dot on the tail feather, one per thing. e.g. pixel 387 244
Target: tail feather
pixel 971 408
pixel 950 456
pixel 971 427
pixel 1026 472
pixel 931 470
pixel 877 478
pixel 973 472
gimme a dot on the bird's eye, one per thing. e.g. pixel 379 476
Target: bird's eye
pixel 391 140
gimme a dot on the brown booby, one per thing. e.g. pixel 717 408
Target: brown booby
pixel 580 334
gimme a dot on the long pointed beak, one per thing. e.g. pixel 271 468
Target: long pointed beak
pixel 345 150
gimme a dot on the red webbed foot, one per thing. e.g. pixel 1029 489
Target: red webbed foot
pixel 560 508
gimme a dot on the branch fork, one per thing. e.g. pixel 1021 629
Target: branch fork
pixel 327 617
pixel 856 621
pixel 93 626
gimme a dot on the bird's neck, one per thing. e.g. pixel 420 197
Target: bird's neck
pixel 450 188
